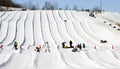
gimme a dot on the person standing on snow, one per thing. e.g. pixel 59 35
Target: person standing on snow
pixel 15 45
pixel 47 47
pixel 71 44
pixel 84 45
pixel 79 46
pixel 63 44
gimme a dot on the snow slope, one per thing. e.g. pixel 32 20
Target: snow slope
pixel 33 28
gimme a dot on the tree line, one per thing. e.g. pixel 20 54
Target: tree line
pixel 9 3
pixel 47 6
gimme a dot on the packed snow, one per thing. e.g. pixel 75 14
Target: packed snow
pixel 100 35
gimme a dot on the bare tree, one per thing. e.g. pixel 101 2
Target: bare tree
pixel 48 6
pixel 56 6
pixel 96 9
pixel 75 8
pixel 66 7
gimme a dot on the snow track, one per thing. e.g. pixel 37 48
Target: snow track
pixel 33 28
pixel 62 28
pixel 29 30
pixel 37 29
pixel 46 30
pixel 78 59
pixel 20 35
pixel 53 27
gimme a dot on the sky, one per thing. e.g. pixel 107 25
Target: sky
pixel 108 5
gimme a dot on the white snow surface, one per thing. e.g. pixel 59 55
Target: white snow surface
pixel 33 28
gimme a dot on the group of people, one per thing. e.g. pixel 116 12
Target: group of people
pixel 65 46
pixel 46 46
pixel 37 48
pixel 75 48
pixel 78 47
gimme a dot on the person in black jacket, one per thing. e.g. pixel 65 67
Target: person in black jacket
pixel 71 44
pixel 84 45
pixel 79 46
pixel 63 44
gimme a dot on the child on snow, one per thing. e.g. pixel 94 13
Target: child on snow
pixel 47 47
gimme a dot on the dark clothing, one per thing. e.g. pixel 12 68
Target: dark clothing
pixel 74 49
pixel 83 45
pixel 37 49
pixel 70 44
pixel 63 44
pixel 79 46
pixel 15 45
